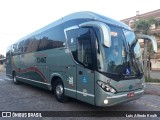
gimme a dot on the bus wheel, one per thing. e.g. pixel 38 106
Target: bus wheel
pixel 15 79
pixel 59 92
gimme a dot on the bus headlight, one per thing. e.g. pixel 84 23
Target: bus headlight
pixel 106 87
pixel 113 90
pixel 105 101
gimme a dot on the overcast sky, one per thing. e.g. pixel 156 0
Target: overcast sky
pixel 21 17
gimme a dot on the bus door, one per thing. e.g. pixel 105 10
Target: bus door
pixel 85 73
pixel 71 79
pixel 79 73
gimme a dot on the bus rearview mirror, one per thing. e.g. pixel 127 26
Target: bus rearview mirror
pixel 104 31
pixel 149 38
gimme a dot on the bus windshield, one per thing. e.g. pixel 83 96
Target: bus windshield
pixel 122 60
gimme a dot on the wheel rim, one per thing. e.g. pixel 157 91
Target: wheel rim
pixel 59 90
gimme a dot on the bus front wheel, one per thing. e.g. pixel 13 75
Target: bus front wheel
pixel 59 91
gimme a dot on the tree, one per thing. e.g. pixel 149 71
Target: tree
pixel 143 27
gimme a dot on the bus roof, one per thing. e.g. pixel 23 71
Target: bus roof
pixel 95 16
pixel 80 15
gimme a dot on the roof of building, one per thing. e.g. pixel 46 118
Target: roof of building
pixel 155 13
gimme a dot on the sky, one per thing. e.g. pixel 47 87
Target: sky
pixel 21 17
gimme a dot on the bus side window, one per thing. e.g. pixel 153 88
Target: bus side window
pixel 72 40
pixel 84 52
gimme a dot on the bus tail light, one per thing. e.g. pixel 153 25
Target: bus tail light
pixel 106 87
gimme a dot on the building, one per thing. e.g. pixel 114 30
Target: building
pixel 155 31
pixel 2 61
pixel 2 64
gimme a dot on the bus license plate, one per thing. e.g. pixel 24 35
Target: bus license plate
pixel 131 94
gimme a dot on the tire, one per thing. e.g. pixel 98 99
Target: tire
pixel 59 91
pixel 15 79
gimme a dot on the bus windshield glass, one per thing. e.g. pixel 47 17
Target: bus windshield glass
pixel 122 60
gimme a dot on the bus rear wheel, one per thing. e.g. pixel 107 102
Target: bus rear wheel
pixel 59 91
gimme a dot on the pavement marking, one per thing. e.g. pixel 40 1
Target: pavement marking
pixel 152 83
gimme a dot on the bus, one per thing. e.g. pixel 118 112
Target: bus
pixel 84 55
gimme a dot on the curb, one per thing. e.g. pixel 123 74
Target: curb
pixel 152 92
pixel 152 83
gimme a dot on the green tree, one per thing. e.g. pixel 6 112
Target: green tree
pixel 143 27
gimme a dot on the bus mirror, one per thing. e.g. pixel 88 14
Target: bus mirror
pixel 150 38
pixel 104 31
pixel 106 36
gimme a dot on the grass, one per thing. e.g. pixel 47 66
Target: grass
pixel 147 79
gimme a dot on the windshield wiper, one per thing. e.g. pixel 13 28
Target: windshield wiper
pixel 113 75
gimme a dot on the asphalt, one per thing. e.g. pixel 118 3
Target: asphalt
pixel 152 88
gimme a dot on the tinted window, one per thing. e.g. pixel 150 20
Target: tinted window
pixel 79 41
pixel 115 56
pixel 49 39
pixel 72 40
pixel 52 38
pixel 135 54
pixel 84 47
pixel 72 37
pixel 31 45
pixel 15 49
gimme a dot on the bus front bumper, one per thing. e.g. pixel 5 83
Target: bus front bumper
pixel 114 99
